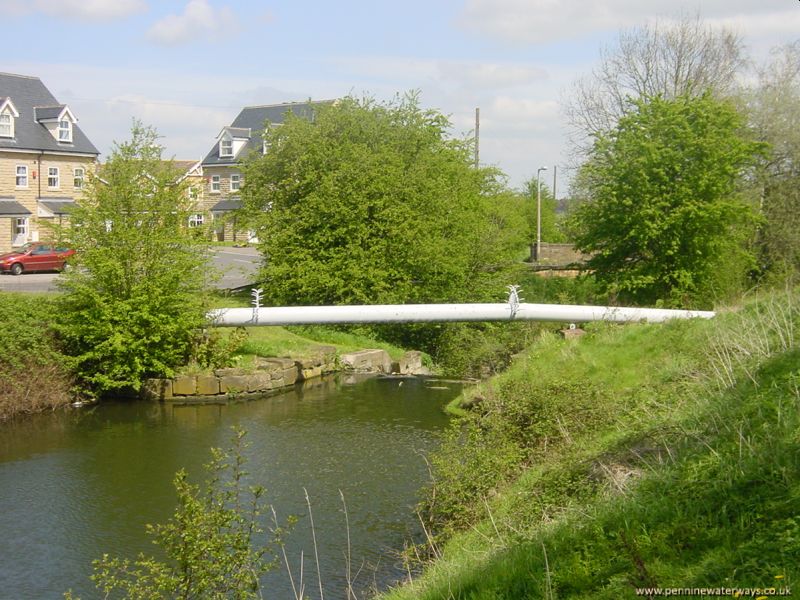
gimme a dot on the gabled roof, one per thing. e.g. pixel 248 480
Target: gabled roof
pixel 52 113
pixel 254 118
pixel 237 132
pixel 32 100
pixel 5 102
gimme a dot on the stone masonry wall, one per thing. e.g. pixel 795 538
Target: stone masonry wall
pixel 270 374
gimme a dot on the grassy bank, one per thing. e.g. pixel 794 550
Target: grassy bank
pixel 640 456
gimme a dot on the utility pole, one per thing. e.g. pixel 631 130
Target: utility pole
pixel 477 136
pixel 555 170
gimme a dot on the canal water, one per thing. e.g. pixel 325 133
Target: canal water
pixel 77 484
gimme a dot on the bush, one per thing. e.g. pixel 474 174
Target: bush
pixel 209 544
pixel 33 373
pixel 137 297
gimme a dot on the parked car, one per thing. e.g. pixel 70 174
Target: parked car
pixel 35 256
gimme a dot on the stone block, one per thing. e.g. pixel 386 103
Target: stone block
pixel 290 374
pixel 229 371
pixel 572 333
pixel 157 389
pixel 368 361
pixel 259 382
pixel 410 363
pixel 184 386
pixel 309 373
pixel 207 385
pixel 233 383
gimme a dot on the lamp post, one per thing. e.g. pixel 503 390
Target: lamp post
pixel 539 212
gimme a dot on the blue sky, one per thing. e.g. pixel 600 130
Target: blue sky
pixel 188 66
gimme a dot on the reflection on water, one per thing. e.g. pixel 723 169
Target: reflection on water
pixel 74 485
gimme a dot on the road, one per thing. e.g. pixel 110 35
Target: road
pixel 237 266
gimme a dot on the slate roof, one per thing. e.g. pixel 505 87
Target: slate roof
pixel 9 207
pixel 41 113
pixel 27 93
pixel 254 118
pixel 234 203
pixel 58 206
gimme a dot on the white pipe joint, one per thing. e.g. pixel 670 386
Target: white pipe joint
pixel 422 313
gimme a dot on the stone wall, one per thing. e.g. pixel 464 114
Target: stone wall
pixel 269 374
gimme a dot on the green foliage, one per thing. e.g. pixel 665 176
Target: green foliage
pixel 552 231
pixel 210 543
pixel 137 292
pixel 372 203
pixel 33 373
pixel 26 329
pixel 641 456
pixel 663 220
pixel 774 108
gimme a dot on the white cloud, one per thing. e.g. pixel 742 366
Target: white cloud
pixel 541 21
pixel 490 75
pixel 415 73
pixel 92 10
pixel 199 22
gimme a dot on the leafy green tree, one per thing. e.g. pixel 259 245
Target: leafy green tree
pixel 663 219
pixel 374 203
pixel 136 296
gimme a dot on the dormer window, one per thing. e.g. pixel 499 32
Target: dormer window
pixel 64 130
pixel 7 115
pixel 58 120
pixel 6 125
pixel 226 148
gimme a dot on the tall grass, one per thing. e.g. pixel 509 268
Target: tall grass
pixel 642 456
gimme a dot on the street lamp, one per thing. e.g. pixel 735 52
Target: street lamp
pixel 539 212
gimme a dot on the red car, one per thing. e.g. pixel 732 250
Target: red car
pixel 35 256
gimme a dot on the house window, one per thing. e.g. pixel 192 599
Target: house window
pixel 64 131
pixel 215 183
pixel 236 182
pixel 196 220
pixel 192 192
pixel 52 177
pixel 226 148
pixel 6 125
pixel 78 176
pixel 22 176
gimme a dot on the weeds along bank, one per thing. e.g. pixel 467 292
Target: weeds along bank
pixel 34 376
pixel 642 456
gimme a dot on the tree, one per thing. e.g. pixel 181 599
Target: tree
pixel 373 203
pixel 137 294
pixel 673 59
pixel 663 220
pixel 774 107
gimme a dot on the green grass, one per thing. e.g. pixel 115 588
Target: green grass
pixel 638 456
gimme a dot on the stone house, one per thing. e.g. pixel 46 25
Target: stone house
pixel 45 160
pixel 221 167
